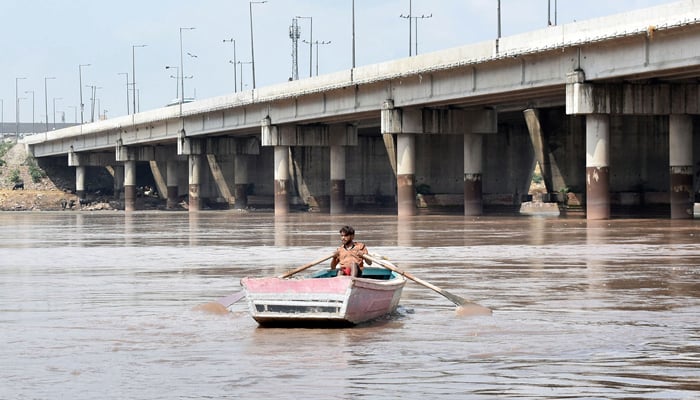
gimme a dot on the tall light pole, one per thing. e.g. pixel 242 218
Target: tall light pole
pixel 252 46
pixel 318 43
pixel 240 63
pixel 311 40
pixel 46 101
pixel 33 119
pixel 126 74
pixel 17 108
pixel 2 118
pixel 54 110
pixel 182 71
pixel 133 71
pixel 80 78
pixel 235 85
pixel 177 80
pixel 353 33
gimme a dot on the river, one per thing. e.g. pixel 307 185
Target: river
pixel 103 305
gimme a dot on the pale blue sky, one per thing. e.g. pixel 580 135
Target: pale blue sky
pixel 50 38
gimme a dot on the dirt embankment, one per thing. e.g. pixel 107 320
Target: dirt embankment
pixel 19 191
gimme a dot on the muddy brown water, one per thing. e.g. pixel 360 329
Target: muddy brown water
pixel 100 305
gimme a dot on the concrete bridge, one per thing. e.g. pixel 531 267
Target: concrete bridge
pixel 607 107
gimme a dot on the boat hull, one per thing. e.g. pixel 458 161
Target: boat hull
pixel 321 301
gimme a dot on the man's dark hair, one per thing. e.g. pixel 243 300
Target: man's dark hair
pixel 347 230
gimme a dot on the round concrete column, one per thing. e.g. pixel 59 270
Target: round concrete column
pixel 473 153
pixel 597 166
pixel 281 178
pixel 681 165
pixel 171 180
pixel 118 180
pixel 80 182
pixel 337 179
pixel 129 185
pixel 405 173
pixel 240 179
pixel 194 178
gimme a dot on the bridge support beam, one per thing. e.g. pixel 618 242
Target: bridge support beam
pixel 80 181
pixel 681 166
pixel 473 191
pixel 281 180
pixel 337 180
pixel 129 185
pixel 194 179
pixel 597 166
pixel 171 179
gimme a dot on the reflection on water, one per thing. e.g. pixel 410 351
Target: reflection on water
pixel 100 305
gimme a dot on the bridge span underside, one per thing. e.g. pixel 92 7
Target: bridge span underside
pixel 608 108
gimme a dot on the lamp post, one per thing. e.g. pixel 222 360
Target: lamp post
pixel 82 105
pixel 177 80
pixel 126 74
pixel 311 40
pixel 318 43
pixel 54 110
pixel 235 85
pixel 33 119
pixel 410 18
pixel 133 72
pixel 240 64
pixel 17 108
pixel 182 71
pixel 46 101
pixel 252 46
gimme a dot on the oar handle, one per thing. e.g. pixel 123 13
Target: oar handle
pixel 305 266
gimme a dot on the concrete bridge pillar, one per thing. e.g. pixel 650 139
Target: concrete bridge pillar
pixel 194 179
pixel 681 166
pixel 171 179
pixel 337 180
pixel 129 185
pixel 473 149
pixel 405 173
pixel 281 180
pixel 80 181
pixel 597 166
pixel 241 181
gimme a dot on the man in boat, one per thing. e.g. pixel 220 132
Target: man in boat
pixel 349 254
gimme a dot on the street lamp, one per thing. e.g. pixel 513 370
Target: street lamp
pixel 182 71
pixel 54 110
pixel 177 80
pixel 232 40
pixel 252 46
pixel 410 18
pixel 133 72
pixel 33 119
pixel 17 108
pixel 240 63
pixel 126 74
pixel 317 43
pixel 46 101
pixel 311 40
pixel 80 77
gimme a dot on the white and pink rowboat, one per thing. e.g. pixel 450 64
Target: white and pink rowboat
pixel 323 300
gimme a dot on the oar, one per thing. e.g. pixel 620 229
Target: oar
pixel 232 298
pixel 464 306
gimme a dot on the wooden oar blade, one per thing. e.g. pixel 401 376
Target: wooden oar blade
pixel 465 307
pixel 231 299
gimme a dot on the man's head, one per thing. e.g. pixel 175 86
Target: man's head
pixel 347 234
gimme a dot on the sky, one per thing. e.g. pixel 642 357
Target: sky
pixel 44 42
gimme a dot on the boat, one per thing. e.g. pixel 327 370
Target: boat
pixel 323 299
